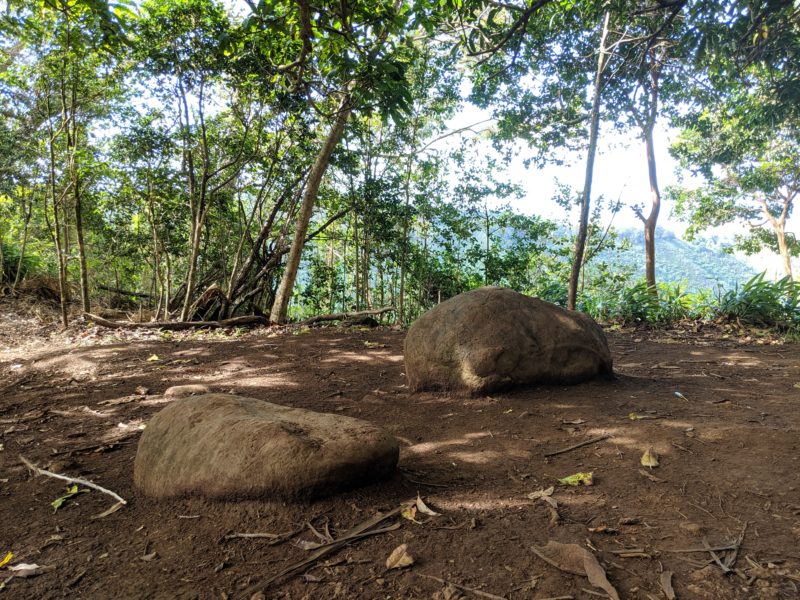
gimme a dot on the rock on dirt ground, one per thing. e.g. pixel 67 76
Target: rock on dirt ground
pixel 229 447
pixel 495 338
pixel 728 449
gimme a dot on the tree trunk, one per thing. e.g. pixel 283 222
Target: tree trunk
pixel 594 127
pixel 24 247
pixel 84 271
pixel 280 306
pixel 652 219
pixel 783 248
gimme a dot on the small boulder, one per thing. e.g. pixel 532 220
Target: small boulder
pixel 224 447
pixel 183 391
pixel 495 338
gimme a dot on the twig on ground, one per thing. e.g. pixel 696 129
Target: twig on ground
pixel 275 538
pixel 689 550
pixel 180 325
pixel 716 558
pixel 349 536
pixel 462 587
pixel 249 536
pixel 576 446
pixel 37 471
pixel 426 483
pixel 650 476
pixel 730 560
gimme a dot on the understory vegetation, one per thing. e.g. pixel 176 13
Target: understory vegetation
pixel 197 160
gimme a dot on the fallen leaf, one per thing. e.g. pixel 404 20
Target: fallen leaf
pixel 399 558
pixel 550 500
pixel 578 479
pixel 142 391
pixel 637 417
pixel 666 584
pixel 410 513
pixel 28 570
pixel 153 358
pixel 425 509
pixel 573 422
pixel 149 557
pixel 571 558
pixel 6 559
pixel 541 493
pixel 649 458
pixel 72 491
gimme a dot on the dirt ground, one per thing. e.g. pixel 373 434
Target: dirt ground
pixel 728 446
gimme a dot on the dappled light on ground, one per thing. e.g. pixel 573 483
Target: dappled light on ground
pixel 728 454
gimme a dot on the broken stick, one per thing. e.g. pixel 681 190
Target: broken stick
pixel 37 471
pixel 576 446
pixel 349 536
pixel 462 587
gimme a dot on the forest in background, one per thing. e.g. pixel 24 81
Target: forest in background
pixel 285 159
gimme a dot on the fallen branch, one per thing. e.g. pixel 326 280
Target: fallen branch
pixel 716 558
pixel 576 446
pixel 37 471
pixel 463 588
pixel 321 552
pixel 346 315
pixel 358 536
pixel 180 325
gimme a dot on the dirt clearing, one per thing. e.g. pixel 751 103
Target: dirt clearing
pixel 721 416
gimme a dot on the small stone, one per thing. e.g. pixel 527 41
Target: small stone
pixel 184 391
pixel 692 528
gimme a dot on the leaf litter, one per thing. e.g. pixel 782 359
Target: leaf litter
pixel 572 558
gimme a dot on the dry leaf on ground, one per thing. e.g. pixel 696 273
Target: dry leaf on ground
pixel 578 561
pixel 399 558
pixel 28 570
pixel 666 584
pixel 649 458
pixel 424 508
pixel 541 493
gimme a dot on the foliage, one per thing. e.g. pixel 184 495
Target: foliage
pixel 760 302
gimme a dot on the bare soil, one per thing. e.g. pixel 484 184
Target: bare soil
pixel 73 403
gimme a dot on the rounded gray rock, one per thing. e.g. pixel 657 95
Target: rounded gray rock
pixel 225 447
pixel 495 338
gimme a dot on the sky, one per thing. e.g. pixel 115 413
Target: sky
pixel 620 172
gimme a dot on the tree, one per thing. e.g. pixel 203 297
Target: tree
pixel 751 175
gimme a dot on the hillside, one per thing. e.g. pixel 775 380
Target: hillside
pixel 700 264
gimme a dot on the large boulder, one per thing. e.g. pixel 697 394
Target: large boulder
pixel 495 338
pixel 223 446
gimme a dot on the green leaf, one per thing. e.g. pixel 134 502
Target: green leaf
pixel 72 491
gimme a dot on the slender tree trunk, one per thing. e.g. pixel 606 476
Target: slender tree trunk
pixel 594 127
pixel 280 306
pixel 56 230
pixel 655 207
pixel 84 271
pixel 25 230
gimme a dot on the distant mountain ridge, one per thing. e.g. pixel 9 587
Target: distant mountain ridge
pixel 701 264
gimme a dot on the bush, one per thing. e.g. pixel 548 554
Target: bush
pixel 760 302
